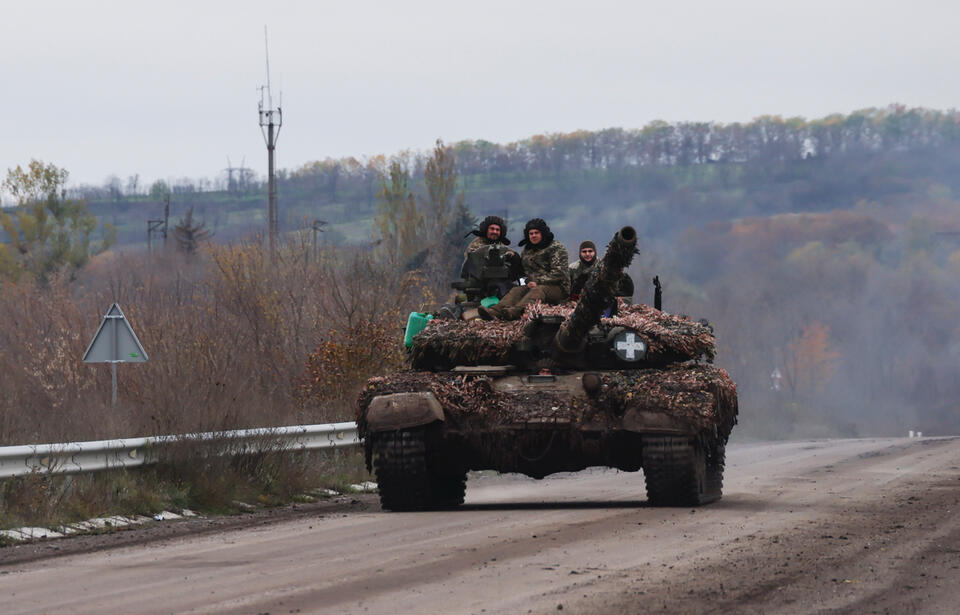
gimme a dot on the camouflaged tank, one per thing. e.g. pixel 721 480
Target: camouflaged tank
pixel 562 389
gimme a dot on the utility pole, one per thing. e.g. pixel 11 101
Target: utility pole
pixel 238 178
pixel 270 119
pixel 159 226
pixel 166 218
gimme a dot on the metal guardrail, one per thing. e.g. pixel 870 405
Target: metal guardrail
pixel 79 457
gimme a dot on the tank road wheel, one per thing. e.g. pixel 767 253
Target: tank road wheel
pixel 406 477
pixel 677 472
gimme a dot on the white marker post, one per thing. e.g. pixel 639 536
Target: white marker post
pixel 115 342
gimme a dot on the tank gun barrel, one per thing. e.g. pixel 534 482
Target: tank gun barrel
pixel 598 292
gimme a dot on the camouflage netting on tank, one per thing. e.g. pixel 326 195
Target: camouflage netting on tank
pixel 664 333
pixel 700 396
pixel 474 342
pixel 455 342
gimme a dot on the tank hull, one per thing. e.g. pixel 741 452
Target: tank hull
pixel 490 418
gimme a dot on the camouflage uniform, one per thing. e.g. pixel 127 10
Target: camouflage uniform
pixel 544 263
pixel 547 266
pixel 478 243
pixel 580 272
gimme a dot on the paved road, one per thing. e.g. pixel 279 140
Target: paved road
pixel 843 525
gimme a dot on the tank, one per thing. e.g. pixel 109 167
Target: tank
pixel 599 382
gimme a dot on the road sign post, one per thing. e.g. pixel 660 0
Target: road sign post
pixel 115 342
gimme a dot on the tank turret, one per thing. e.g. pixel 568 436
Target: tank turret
pixel 598 332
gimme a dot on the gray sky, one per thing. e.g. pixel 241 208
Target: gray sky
pixel 169 89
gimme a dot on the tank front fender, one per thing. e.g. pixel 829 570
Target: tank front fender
pixel 403 411
pixel 645 421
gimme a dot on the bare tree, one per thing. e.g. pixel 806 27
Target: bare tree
pixel 189 234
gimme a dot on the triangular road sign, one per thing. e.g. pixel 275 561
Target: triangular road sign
pixel 115 341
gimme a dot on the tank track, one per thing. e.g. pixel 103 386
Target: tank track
pixel 716 459
pixel 679 472
pixel 405 476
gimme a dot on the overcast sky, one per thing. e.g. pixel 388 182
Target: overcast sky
pixel 169 89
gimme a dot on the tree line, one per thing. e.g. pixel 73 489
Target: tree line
pixel 671 175
pixel 767 139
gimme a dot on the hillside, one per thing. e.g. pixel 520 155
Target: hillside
pixel 825 252
pixel 672 177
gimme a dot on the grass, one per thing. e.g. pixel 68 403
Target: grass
pixel 204 484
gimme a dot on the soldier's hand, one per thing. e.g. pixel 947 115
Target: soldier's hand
pixel 531 284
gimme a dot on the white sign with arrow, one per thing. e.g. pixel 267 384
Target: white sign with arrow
pixel 115 342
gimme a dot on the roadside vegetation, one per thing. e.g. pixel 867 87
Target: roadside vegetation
pixel 237 338
pixel 230 334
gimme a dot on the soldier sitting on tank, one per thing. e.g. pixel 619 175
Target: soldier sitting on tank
pixel 544 262
pixel 582 268
pixel 489 267
pixel 492 230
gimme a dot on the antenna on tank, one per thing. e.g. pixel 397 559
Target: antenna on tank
pixel 270 121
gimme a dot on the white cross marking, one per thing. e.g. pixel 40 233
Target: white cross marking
pixel 630 345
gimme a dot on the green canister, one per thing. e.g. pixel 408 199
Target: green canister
pixel 415 324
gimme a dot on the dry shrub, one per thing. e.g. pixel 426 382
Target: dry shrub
pixel 215 475
pixel 45 500
pixel 212 474
pixel 343 361
pixel 365 305
pixel 229 333
pixel 276 476
pixel 358 289
pixel 27 498
pixel 191 475
pixel 46 392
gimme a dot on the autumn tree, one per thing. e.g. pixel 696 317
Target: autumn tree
pixel 47 232
pixel 399 222
pixel 447 218
pixel 370 175
pixel 424 233
pixel 810 360
pixel 440 176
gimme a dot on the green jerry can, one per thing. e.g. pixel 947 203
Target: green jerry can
pixel 415 324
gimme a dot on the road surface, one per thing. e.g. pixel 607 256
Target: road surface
pixel 855 526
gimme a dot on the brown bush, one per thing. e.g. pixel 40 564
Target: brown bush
pixel 343 361
pixel 228 334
